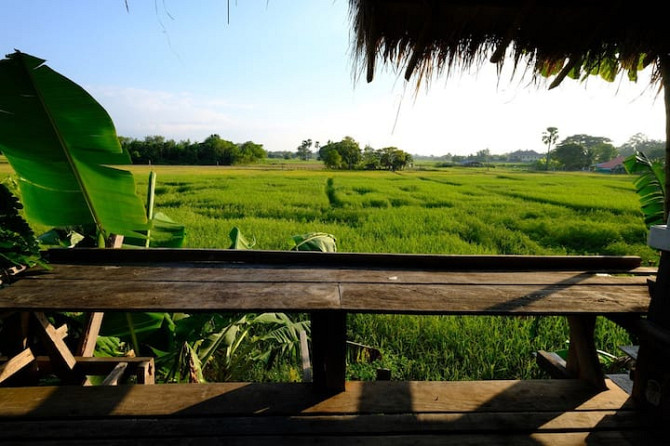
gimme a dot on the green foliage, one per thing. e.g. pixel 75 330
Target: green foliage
pixel 156 150
pixel 239 241
pixel 571 156
pixel 345 154
pixel 650 186
pixel 455 211
pixel 388 158
pixel 303 151
pixel 18 246
pixel 60 142
pixel 606 66
pixel 315 241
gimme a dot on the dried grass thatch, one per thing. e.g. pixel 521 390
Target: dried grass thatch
pixel 561 38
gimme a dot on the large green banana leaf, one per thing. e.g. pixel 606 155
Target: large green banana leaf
pixel 61 143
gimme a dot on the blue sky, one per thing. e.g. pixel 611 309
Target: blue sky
pixel 280 71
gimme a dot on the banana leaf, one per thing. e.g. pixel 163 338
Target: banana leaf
pixel 649 185
pixel 238 241
pixel 61 143
pixel 315 241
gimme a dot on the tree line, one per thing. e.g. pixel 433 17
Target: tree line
pixel 347 154
pixel 213 151
pixel 581 152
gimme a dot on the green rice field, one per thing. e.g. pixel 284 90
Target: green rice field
pixel 440 211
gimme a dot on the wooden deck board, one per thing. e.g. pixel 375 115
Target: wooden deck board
pixel 564 412
pixel 229 399
pixel 602 438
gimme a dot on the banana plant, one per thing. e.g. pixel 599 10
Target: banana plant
pixel 650 186
pixel 62 145
pixel 18 245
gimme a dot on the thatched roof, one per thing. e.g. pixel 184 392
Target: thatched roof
pixel 561 38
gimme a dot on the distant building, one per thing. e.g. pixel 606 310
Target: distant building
pixel 612 166
pixel 524 156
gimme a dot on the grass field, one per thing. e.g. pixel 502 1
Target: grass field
pixel 449 211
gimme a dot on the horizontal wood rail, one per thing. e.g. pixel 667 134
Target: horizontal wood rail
pixel 90 256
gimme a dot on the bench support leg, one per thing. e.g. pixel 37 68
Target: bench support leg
pixel 329 336
pixel 583 360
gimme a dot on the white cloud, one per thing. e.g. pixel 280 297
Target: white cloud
pixel 139 112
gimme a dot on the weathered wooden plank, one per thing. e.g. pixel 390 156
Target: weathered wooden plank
pixel 489 299
pixel 89 335
pixel 306 363
pixel 62 359
pixel 300 296
pixel 146 372
pixel 222 273
pixel 600 438
pixel 16 363
pixel 370 424
pixel 151 296
pixel 228 399
pixel 115 375
pixel 553 364
pixel 411 261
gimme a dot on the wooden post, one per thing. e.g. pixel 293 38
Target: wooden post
pixel 583 360
pixel 304 355
pixel 89 335
pixel 651 383
pixel 329 350
pixel 13 343
pixel 146 372
pixel 62 359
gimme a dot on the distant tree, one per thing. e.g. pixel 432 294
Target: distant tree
pixel 652 148
pixel 250 152
pixel 304 152
pixel 549 137
pixel 483 155
pixel 348 154
pixel 601 153
pixel 586 140
pixel 394 159
pixel 370 159
pixel 571 156
pixel 331 157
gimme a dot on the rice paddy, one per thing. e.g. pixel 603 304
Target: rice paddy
pixel 441 211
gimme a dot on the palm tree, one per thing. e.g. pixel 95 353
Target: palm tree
pixel 549 137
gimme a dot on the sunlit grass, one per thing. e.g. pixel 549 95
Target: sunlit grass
pixel 449 211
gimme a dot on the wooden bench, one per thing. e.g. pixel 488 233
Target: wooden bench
pixel 585 409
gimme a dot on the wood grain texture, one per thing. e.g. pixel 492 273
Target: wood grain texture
pixel 212 286
pixel 231 399
pixel 563 412
pixel 15 364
